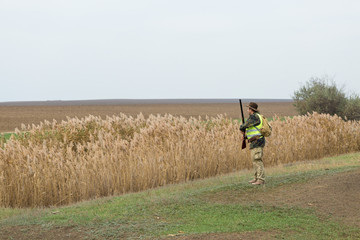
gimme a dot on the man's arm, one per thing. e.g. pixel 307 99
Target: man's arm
pixel 253 120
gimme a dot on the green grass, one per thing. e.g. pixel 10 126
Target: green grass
pixel 184 208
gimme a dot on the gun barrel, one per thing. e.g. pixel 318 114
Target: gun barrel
pixel 242 112
pixel 243 121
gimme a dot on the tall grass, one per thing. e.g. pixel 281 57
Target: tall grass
pixel 62 163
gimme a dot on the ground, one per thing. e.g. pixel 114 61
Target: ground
pixel 335 196
pixel 331 196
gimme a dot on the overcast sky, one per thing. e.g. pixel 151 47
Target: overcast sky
pixel 87 49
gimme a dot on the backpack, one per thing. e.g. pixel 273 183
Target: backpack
pixel 266 129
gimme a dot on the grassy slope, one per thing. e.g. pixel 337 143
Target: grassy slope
pixel 183 209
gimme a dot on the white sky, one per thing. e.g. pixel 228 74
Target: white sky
pixel 88 49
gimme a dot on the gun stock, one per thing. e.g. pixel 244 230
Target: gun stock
pixel 243 121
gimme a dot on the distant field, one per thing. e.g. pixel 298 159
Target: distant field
pixel 12 116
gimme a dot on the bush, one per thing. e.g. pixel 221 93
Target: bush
pixel 352 108
pixel 322 96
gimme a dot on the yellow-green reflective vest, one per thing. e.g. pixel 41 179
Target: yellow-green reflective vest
pixel 254 130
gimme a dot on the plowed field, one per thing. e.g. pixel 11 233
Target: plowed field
pixel 12 117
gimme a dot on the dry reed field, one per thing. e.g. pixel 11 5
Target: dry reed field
pixel 58 163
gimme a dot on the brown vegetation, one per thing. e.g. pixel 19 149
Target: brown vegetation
pixel 60 163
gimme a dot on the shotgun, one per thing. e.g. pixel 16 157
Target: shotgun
pixel 243 121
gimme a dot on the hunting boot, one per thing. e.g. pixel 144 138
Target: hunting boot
pixel 252 181
pixel 258 182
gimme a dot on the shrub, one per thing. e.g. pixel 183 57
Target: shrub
pixel 352 108
pixel 320 95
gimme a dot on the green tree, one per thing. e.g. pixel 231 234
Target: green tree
pixel 320 95
pixel 352 108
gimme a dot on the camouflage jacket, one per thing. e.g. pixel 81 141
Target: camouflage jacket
pixel 253 120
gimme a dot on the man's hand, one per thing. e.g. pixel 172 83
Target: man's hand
pixel 242 135
pixel 242 130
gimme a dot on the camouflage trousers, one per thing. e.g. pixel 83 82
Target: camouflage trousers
pixel 256 156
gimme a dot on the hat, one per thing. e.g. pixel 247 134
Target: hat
pixel 253 106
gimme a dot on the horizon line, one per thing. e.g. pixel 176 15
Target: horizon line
pixel 128 101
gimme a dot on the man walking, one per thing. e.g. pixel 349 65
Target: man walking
pixel 252 128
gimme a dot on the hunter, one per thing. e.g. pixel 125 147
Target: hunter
pixel 257 142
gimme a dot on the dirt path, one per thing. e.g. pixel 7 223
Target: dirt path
pixel 337 196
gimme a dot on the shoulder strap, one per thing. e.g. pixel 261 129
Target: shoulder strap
pixel 259 115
